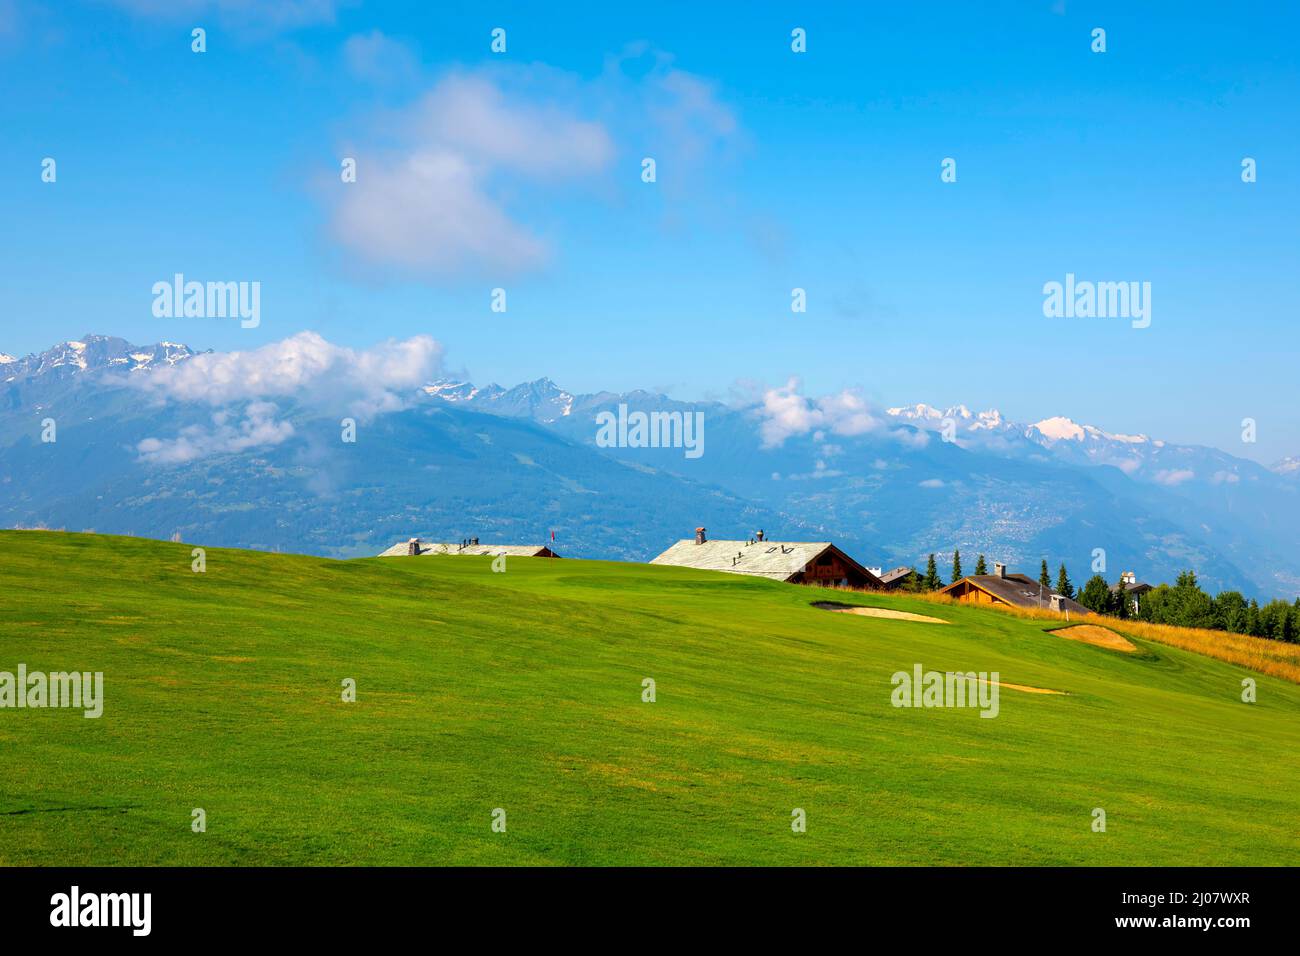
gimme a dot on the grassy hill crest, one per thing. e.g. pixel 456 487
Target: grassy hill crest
pixel 523 691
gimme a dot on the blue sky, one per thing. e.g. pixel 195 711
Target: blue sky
pixel 775 170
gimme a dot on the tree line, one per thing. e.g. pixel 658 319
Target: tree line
pixel 1183 604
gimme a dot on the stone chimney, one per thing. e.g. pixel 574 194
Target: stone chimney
pixel 1055 602
pixel 473 542
pixel 413 546
pixel 999 569
pixel 699 536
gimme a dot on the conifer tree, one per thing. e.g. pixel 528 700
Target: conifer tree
pixel 956 565
pixel 932 580
pixel 1063 585
pixel 982 568
pixel 1253 624
pixel 1044 578
pixel 1095 595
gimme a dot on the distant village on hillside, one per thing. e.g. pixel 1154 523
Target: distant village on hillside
pixel 823 564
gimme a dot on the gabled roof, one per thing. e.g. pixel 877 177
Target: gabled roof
pixel 401 549
pixel 778 560
pixel 889 577
pixel 1138 587
pixel 1018 589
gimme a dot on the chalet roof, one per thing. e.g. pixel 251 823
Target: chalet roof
pixel 1020 590
pixel 401 549
pixel 891 576
pixel 778 560
pixel 1138 587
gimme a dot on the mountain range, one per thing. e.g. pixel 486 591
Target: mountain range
pixel 450 459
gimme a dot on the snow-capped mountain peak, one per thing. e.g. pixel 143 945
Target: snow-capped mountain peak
pixel 1289 466
pixel 452 390
pixel 918 412
pixel 991 420
pixel 1060 428
pixel 94 353
pixel 927 416
pixel 541 400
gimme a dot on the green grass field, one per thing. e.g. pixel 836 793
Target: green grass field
pixel 522 691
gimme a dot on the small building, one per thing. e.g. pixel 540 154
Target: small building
pixel 895 579
pixel 795 562
pixel 1010 590
pixel 414 547
pixel 1133 589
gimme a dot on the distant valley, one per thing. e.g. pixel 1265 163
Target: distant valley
pixel 450 459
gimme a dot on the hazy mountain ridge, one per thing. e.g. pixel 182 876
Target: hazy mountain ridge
pixel 516 463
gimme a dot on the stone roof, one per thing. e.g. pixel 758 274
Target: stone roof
pixel 1139 587
pixel 401 549
pixel 778 560
pixel 889 577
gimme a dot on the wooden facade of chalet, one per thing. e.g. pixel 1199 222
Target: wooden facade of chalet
pixel 834 568
pixel 1010 590
pixel 796 562
pixel 970 592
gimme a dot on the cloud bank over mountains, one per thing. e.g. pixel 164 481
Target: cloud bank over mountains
pixel 319 377
pixel 786 413
pixel 304 368
pixel 238 443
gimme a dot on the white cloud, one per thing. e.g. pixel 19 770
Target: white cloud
pixel 819 471
pixel 910 437
pixel 445 186
pixel 1171 476
pixel 307 367
pixel 427 214
pixel 785 413
pixel 931 483
pixel 432 204
pixel 472 115
pixel 379 58
pixel 676 116
pixel 257 429
pixel 687 109
pixel 303 368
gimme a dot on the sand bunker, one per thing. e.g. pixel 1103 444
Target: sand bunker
pixel 877 612
pixel 1026 688
pixel 1097 636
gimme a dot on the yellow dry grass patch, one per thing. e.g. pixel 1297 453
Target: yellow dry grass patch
pixel 1261 654
pixel 1026 688
pixel 1096 636
pixel 886 612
